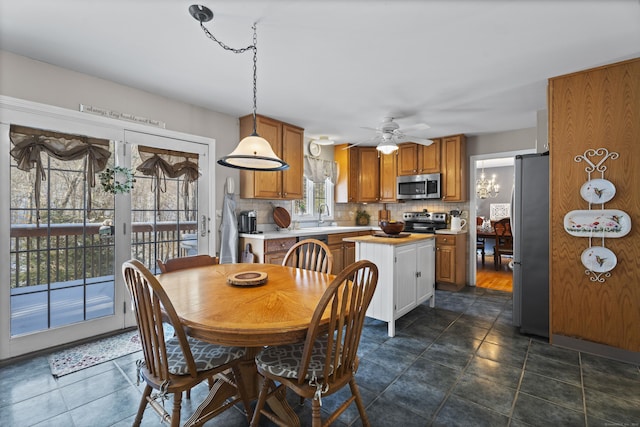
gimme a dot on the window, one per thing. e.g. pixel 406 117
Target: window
pixel 314 196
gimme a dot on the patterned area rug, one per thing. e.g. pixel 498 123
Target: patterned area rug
pixel 90 354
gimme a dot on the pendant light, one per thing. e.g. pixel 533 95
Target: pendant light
pixel 253 152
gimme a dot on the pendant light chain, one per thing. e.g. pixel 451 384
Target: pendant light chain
pixel 252 152
pixel 254 46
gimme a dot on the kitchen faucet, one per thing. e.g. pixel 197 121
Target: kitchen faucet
pixel 323 207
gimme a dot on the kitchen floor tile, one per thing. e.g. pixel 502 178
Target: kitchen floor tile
pixel 493 396
pixel 462 413
pixel 539 412
pixel 555 391
pixel 459 364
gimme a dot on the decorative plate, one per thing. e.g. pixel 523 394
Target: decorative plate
pixel 598 259
pixel 608 223
pixel 247 278
pixel 598 191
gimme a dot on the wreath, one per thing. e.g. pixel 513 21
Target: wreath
pixel 110 179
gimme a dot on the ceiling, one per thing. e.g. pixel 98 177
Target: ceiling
pixel 334 67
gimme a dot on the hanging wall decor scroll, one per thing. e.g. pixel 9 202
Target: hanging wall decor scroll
pixel 596 223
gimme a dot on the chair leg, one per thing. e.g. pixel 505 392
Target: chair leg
pixel 175 412
pixel 143 404
pixel 316 420
pixel 262 398
pixel 356 393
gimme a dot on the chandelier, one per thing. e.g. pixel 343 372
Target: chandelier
pixel 486 188
pixel 253 152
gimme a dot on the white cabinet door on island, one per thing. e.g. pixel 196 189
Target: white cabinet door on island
pixel 406 274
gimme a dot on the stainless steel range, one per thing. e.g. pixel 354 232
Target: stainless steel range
pixel 424 222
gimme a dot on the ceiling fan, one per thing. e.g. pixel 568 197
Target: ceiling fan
pixel 389 134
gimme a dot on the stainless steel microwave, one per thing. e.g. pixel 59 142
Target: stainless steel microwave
pixel 419 187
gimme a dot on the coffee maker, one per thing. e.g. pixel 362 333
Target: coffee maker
pixel 247 222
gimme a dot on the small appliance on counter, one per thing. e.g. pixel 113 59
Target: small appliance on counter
pixel 247 223
pixel 424 222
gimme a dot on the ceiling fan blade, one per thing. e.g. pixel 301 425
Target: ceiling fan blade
pixel 416 139
pixel 369 128
pixel 413 128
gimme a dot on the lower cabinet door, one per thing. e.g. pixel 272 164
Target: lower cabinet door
pixel 405 283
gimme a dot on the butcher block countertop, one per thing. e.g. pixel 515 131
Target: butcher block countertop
pixel 395 241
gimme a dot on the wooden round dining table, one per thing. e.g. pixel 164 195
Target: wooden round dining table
pixel 276 312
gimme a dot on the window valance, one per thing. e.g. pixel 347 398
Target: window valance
pixel 30 143
pixel 162 164
pixel 318 170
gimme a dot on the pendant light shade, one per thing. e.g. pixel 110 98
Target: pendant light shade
pixel 254 153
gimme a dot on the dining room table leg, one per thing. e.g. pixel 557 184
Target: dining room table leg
pixel 223 390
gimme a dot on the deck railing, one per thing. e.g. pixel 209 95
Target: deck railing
pixel 69 252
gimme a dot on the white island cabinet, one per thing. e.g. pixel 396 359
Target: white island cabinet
pixel 406 274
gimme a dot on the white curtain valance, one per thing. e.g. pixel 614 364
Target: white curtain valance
pixel 318 170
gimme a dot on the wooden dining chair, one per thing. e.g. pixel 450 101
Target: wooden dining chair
pixel 504 241
pixel 309 254
pixel 179 363
pixel 181 263
pixel 327 360
pixel 480 241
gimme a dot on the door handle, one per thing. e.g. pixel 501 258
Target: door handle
pixel 203 226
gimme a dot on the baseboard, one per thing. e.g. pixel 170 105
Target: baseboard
pixel 596 349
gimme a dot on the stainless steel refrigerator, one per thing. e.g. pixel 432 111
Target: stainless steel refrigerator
pixel 530 228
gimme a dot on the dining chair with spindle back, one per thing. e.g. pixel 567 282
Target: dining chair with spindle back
pixel 504 241
pixel 309 254
pixel 480 241
pixel 181 263
pixel 171 366
pixel 327 360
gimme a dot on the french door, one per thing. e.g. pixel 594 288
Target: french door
pixel 64 252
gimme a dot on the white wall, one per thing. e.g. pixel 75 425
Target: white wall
pixel 500 142
pixel 24 78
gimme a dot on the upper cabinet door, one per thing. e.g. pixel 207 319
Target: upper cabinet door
pixel 286 141
pixel 292 142
pixel 454 169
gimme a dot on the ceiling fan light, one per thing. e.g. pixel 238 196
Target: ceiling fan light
pixel 387 147
pixel 324 140
pixel 254 153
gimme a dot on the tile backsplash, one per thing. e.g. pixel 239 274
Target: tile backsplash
pixel 344 213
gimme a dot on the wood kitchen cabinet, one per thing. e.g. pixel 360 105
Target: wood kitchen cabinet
pixel 364 175
pixel 344 253
pixel 451 264
pixel 268 251
pixel 388 173
pixel 287 142
pixel 454 168
pixel 415 159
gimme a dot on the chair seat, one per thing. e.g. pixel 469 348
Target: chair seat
pixel 206 356
pixel 284 360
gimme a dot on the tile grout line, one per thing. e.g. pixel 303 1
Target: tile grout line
pixel 517 394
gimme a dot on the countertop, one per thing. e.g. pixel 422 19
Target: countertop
pixel 450 231
pixel 394 241
pixel 333 229
pixel 311 231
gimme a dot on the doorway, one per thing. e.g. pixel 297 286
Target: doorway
pixel 493 207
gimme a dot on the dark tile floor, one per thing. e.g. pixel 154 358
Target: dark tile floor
pixel 460 364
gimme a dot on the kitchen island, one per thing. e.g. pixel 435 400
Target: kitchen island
pixel 406 273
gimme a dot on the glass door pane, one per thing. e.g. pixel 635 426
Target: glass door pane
pixel 62 266
pixel 167 211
